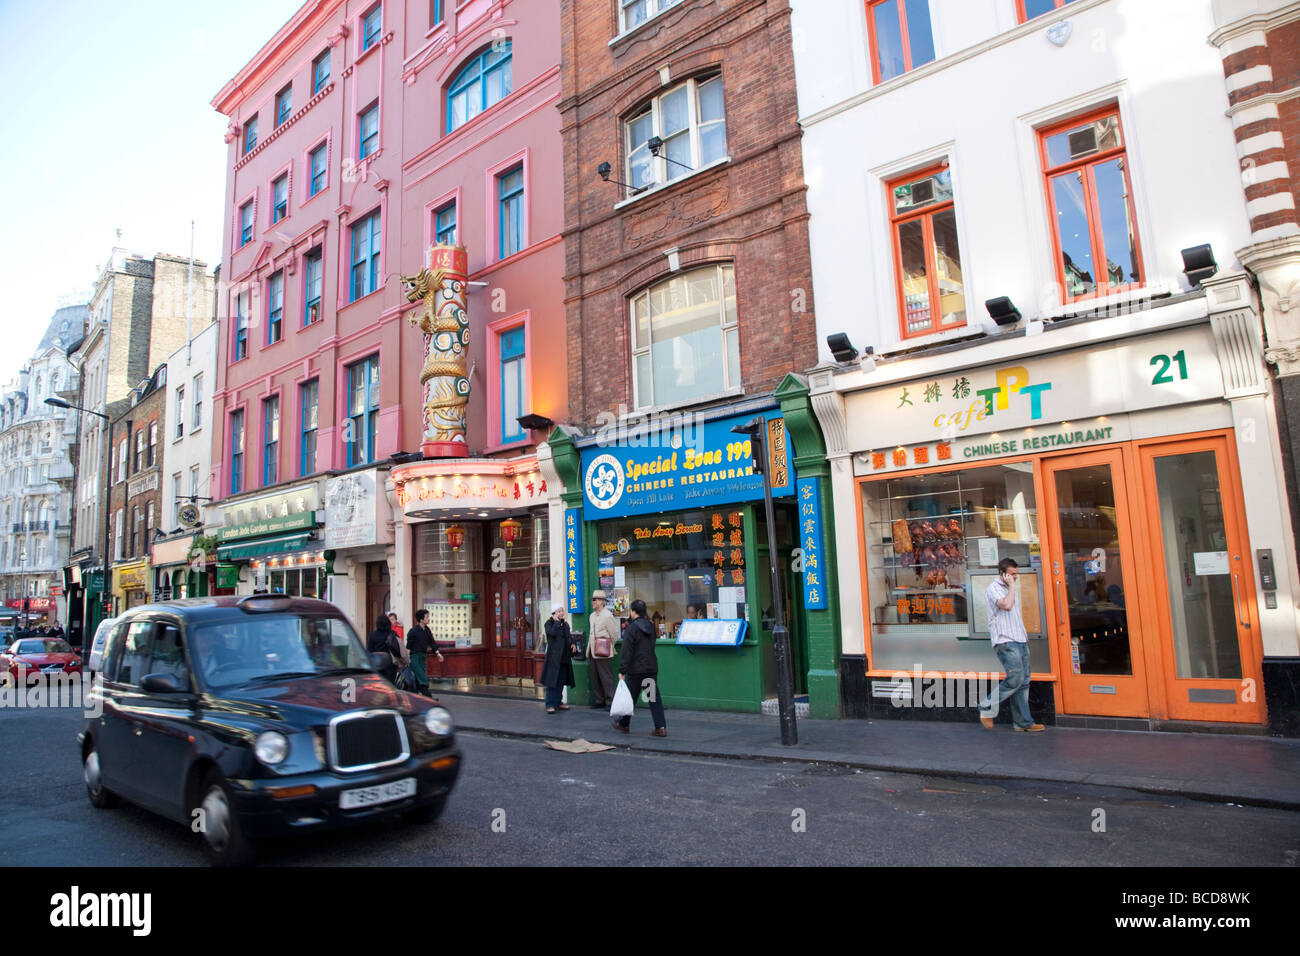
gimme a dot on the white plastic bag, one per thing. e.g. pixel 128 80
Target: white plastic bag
pixel 622 706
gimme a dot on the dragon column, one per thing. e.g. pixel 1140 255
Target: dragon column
pixel 442 290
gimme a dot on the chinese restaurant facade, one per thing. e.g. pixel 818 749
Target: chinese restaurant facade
pixel 674 516
pixel 1129 473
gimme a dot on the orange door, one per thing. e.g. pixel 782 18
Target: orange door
pixel 1091 584
pixel 1204 588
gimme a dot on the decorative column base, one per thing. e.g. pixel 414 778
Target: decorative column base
pixel 444 449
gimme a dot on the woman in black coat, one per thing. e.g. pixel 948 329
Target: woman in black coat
pixel 557 673
pixel 639 667
pixel 382 640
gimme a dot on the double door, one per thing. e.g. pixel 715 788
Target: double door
pixel 513 634
pixel 1150 590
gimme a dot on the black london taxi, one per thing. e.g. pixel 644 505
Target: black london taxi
pixel 246 717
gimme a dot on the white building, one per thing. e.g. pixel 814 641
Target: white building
pixel 1046 164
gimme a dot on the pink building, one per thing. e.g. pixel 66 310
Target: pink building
pixel 362 133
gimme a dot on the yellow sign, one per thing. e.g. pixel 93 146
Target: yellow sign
pixel 131 577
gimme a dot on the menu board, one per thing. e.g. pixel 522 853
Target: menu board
pixel 720 632
pixel 449 620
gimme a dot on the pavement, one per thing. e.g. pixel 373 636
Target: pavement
pixel 1250 771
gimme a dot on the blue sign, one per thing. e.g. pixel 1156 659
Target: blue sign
pixel 810 535
pixel 717 632
pixel 688 466
pixel 573 559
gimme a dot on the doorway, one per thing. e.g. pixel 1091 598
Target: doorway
pixel 513 637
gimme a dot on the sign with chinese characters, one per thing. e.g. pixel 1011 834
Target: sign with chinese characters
pixel 299 500
pixel 356 511
pixel 718 632
pixel 422 491
pixel 573 588
pixel 687 468
pixel 810 538
pixel 1108 378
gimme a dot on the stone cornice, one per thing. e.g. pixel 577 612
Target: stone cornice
pixel 275 133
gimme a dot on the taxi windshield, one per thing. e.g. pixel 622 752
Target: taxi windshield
pixel 266 646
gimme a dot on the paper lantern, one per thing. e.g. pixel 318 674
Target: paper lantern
pixel 510 531
pixel 455 536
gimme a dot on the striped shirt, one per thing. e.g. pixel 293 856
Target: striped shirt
pixel 1004 626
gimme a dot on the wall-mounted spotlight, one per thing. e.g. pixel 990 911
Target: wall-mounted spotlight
pixel 1199 264
pixel 535 422
pixel 605 169
pixel 1003 311
pixel 656 146
pixel 842 349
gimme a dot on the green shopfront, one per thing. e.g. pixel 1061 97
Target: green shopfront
pixel 273 542
pixel 671 513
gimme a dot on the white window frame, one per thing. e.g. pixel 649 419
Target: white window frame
pixel 653 9
pixel 665 172
pixel 726 325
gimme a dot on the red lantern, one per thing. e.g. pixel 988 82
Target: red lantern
pixel 455 536
pixel 510 531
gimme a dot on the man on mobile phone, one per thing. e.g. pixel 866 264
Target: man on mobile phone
pixel 1011 644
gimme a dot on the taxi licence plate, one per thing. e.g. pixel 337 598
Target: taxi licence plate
pixel 371 796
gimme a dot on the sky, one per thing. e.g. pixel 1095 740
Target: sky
pixel 104 110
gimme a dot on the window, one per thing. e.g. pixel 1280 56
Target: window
pixel 435 13
pixel 194 481
pixel 236 452
pixel 1028 9
pixel 363 411
pixel 684 337
pixel 241 325
pixel 176 500
pixel 121 460
pixel 283 104
pixel 275 308
pixel 484 81
pixel 690 121
pixel 118 536
pixel 246 223
pixel 510 346
pixel 1090 198
pixel 444 225
pixel 250 135
pixel 180 411
pixel 135 530
pixel 635 12
pixel 371 26
pixel 148 524
pixel 926 259
pixel 510 220
pixel 139 452
pixel 365 256
pixel 312 281
pixel 900 36
pixel 368 131
pixel 320 72
pixel 280 198
pixel 271 440
pixel 198 403
pixel 153 443
pixel 319 169
pixel 310 401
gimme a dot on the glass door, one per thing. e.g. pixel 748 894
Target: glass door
pixel 1206 601
pixel 513 633
pixel 1091 584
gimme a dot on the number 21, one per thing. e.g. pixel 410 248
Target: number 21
pixel 1162 376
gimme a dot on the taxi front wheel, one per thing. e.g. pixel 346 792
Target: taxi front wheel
pixel 101 798
pixel 218 822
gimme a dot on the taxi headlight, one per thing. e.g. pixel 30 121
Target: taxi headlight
pixel 438 721
pixel 271 747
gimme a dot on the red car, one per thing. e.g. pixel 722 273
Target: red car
pixel 29 657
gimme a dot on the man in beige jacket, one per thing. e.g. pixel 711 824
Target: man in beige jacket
pixel 602 625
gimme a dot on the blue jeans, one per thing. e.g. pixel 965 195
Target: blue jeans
pixel 1014 657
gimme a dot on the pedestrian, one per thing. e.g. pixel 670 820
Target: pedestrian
pixel 640 668
pixel 600 649
pixel 557 672
pixel 419 643
pixel 1011 644
pixel 382 640
pixel 396 625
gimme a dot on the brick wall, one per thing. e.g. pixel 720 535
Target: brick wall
pixel 750 211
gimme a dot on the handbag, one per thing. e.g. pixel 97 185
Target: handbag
pixel 602 646
pixel 405 679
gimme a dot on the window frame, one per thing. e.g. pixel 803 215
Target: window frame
pixel 925 215
pixel 323 149
pixel 318 81
pixel 366 431
pixel 511 430
pixel 439 229
pixel 278 200
pixel 236 443
pixel 1023 17
pixel 519 201
pixel 653 9
pixel 270 440
pixel 371 34
pixel 239 350
pixel 472 71
pixel 197 423
pixel 311 387
pixel 283 105
pixel 373 222
pixel 873 48
pixel 725 325
pixel 249 137
pixel 246 216
pixel 315 254
pixel 180 413
pixel 367 144
pixel 1100 289
pixel 275 307
pixel 694 128
pixel 152 455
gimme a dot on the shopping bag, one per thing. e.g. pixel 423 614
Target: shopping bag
pixel 622 706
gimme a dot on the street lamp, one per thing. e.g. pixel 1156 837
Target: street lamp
pixel 60 403
pixel 23 560
pixel 756 429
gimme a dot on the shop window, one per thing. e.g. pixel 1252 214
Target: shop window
pixel 692 124
pixel 295 581
pixel 441 575
pixel 933 545
pixel 483 82
pixel 1090 198
pixel 684 338
pixel 683 565
pixel 900 36
pixel 1028 9
pixel 927 260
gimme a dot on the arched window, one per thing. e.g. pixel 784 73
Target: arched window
pixel 484 81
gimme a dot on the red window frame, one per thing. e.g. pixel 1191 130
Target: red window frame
pixel 874 53
pixel 1023 17
pixel 925 214
pixel 1101 285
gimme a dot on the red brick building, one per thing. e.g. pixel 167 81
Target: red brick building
pixel 135 496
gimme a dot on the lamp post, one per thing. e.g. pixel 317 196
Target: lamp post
pixel 60 403
pixel 756 429
pixel 23 559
